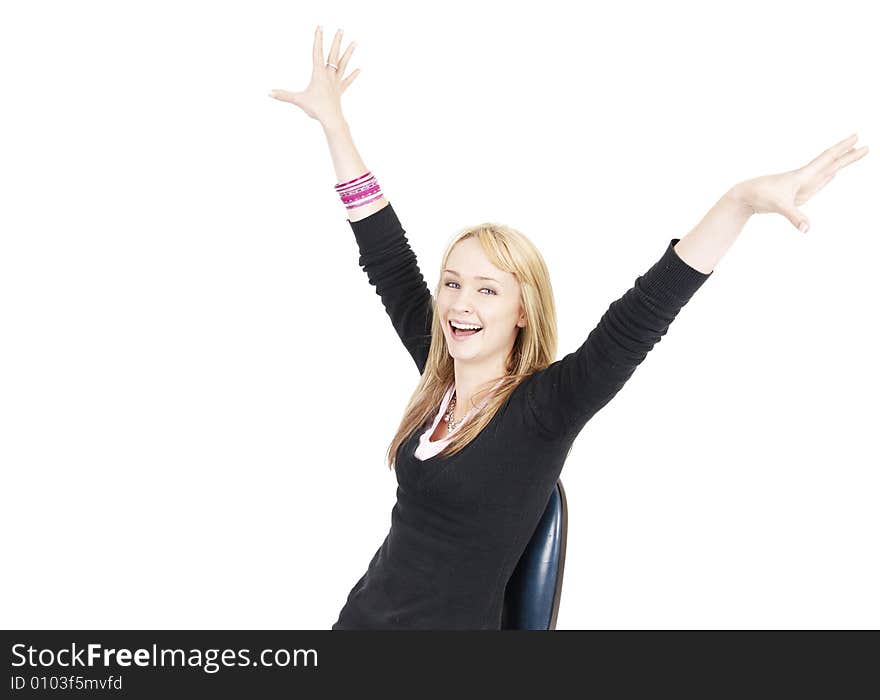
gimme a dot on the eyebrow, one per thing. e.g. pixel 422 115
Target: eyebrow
pixel 476 277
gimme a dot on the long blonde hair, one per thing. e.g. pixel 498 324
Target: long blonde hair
pixel 533 349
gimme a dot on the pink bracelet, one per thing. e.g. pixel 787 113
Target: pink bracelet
pixel 360 191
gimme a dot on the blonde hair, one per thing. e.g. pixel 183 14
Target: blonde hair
pixel 533 349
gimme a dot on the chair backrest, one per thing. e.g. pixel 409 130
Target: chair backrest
pixel 531 601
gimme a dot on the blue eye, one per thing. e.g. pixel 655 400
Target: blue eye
pixel 486 288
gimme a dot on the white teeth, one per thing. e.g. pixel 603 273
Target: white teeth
pixel 464 326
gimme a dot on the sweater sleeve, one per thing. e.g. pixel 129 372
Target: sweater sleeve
pixel 391 266
pixel 566 394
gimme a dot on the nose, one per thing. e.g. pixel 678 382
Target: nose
pixel 462 306
pixel 462 311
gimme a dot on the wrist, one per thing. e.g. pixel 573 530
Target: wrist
pixel 334 124
pixel 739 194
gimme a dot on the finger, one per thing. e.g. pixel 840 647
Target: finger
pixel 850 156
pixel 343 62
pixel 334 48
pixel 284 96
pixel 797 218
pixel 829 155
pixel 350 79
pixel 318 49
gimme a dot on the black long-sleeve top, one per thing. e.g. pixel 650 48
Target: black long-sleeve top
pixel 461 523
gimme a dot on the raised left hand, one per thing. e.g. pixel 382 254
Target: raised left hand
pixel 783 193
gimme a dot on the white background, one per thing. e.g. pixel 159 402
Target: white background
pixel 198 384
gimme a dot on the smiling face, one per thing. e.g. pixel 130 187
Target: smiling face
pixel 493 304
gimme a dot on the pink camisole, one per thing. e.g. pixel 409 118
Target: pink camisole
pixel 428 448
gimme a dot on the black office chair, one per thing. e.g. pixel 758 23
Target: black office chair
pixel 531 601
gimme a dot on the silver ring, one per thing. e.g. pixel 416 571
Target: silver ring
pixel 332 65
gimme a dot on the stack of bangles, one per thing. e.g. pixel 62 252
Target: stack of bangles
pixel 362 190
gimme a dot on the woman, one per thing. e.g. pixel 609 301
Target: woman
pixel 490 424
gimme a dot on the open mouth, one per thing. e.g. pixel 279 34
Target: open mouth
pixel 462 333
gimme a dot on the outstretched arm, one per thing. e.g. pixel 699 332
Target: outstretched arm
pixel 386 256
pixel 565 395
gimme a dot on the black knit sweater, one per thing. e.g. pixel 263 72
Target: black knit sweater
pixel 461 523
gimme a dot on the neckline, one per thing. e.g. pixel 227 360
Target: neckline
pixel 436 463
pixel 447 398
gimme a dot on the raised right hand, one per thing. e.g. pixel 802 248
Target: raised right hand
pixel 783 193
pixel 321 99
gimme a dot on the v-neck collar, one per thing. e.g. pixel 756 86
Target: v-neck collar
pixel 432 447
